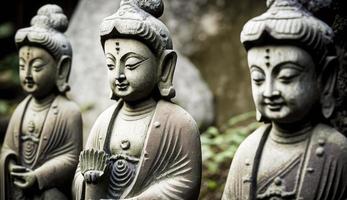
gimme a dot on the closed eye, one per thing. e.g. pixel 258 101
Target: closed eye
pixel 38 65
pixel 288 73
pixel 110 66
pixel 134 61
pixel 257 75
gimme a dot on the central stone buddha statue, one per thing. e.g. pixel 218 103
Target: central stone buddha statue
pixel 144 146
pixel 296 154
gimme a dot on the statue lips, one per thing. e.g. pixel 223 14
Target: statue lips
pixel 122 85
pixel 273 105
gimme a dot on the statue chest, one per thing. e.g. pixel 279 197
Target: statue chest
pixel 128 136
pixel 32 125
pixel 280 169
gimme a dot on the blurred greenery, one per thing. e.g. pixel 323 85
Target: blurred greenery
pixel 218 148
pixel 9 82
pixel 6 29
pixel 9 69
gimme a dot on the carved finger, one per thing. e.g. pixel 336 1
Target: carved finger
pixel 17 174
pixel 18 168
pixel 20 184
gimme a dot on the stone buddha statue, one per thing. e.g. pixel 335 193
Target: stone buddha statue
pixel 296 154
pixel 44 137
pixel 144 146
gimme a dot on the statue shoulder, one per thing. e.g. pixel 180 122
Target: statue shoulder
pixel 326 135
pixel 177 115
pixel 251 143
pixel 66 104
pixel 18 111
pixel 254 138
pixel 105 116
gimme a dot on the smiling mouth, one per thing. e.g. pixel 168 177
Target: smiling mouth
pixel 122 86
pixel 274 106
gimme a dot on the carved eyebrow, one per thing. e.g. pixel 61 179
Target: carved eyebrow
pixel 255 67
pixel 21 59
pixel 40 59
pixel 110 56
pixel 125 56
pixel 292 64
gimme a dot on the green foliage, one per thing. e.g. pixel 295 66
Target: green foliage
pixel 9 69
pixel 218 149
pixel 6 29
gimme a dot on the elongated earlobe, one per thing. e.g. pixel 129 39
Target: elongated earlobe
pixel 63 73
pixel 328 82
pixel 166 71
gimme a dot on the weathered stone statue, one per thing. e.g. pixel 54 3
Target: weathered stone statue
pixel 296 155
pixel 144 147
pixel 44 137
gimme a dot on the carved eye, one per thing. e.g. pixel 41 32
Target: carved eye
pixel 110 63
pixel 257 76
pixel 287 74
pixel 21 64
pixel 38 65
pixel 133 62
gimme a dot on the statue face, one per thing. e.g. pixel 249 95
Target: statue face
pixel 37 71
pixel 132 69
pixel 284 82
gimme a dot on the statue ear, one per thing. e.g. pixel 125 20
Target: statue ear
pixel 328 77
pixel 165 73
pixel 63 72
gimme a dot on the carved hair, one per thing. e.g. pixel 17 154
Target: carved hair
pixel 137 19
pixel 46 31
pixel 288 22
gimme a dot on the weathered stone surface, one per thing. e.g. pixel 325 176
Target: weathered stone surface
pixel 88 78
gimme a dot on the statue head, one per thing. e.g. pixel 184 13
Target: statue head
pixel 139 52
pixel 292 61
pixel 45 53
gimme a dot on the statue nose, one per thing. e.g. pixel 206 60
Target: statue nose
pixel 120 77
pixel 272 94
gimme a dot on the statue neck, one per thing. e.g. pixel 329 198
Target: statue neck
pixel 138 108
pixel 43 103
pixel 291 133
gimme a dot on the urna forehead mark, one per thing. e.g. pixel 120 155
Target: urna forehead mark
pixel 117 47
pixel 267 57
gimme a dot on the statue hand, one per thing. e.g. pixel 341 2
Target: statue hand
pixel 92 176
pixel 93 164
pixel 24 180
pixel 13 167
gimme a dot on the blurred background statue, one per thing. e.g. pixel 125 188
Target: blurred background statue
pixel 144 146
pixel 296 154
pixel 44 137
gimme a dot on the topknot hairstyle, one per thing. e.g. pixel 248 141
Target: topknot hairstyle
pixel 137 19
pixel 288 22
pixel 47 31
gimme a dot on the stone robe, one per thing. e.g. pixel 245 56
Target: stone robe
pixel 58 150
pixel 319 173
pixel 170 162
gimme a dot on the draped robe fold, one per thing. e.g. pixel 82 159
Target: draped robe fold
pixel 324 167
pixel 59 146
pixel 170 162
